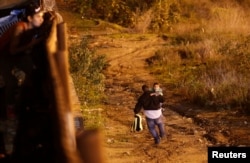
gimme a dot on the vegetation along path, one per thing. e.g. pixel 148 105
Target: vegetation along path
pixel 191 130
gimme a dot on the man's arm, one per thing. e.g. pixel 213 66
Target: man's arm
pixel 138 107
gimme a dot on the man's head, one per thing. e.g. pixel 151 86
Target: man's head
pixel 34 14
pixel 145 88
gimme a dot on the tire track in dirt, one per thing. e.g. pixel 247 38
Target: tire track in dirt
pixel 125 75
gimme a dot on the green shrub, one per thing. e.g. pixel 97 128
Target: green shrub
pixel 86 69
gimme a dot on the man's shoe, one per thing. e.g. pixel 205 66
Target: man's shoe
pixel 157 141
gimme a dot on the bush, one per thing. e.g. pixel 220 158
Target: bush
pixel 86 68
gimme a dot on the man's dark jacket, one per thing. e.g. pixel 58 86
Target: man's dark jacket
pixel 148 102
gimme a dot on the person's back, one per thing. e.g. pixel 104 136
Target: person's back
pixel 148 101
pixel 151 106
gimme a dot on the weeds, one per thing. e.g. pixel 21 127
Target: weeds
pixel 207 61
pixel 220 79
pixel 86 69
pixel 206 58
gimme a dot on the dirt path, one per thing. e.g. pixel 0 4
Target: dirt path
pixel 125 76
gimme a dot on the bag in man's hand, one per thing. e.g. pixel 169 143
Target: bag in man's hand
pixel 137 124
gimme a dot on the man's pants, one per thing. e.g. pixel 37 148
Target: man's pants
pixel 151 126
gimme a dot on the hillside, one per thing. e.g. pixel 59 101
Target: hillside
pixel 191 130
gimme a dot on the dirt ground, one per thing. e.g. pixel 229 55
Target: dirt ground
pixel 125 77
pixel 191 130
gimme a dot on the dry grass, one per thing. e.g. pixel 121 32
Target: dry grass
pixel 228 20
pixel 208 59
pixel 142 22
pixel 207 56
